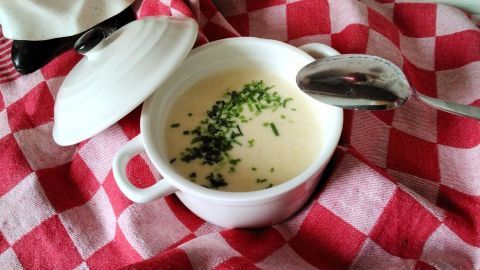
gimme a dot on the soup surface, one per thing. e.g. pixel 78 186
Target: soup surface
pixel 242 130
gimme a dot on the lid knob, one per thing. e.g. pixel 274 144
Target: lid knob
pixel 91 39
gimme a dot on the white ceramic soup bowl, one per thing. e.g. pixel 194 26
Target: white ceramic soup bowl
pixel 229 209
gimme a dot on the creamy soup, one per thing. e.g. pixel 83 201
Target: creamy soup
pixel 242 130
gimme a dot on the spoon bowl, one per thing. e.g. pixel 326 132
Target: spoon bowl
pixel 366 82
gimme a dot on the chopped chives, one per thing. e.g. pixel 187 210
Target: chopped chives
pixel 272 169
pixel 174 125
pixel 250 142
pixel 270 185
pixel 254 169
pixel 274 129
pixel 190 114
pixel 261 180
pixel 172 160
pixel 186 132
pixel 285 102
pixel 282 116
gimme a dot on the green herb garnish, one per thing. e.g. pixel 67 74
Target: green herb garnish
pixel 250 142
pixel 269 186
pixel 216 180
pixel 274 129
pixel 261 180
pixel 175 125
pixel 172 160
pixel 272 169
pixel 254 169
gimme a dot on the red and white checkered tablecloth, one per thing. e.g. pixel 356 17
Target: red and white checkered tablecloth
pixel 402 191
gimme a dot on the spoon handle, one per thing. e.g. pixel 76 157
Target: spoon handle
pixel 451 107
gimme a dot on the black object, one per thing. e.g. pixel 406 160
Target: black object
pixel 28 56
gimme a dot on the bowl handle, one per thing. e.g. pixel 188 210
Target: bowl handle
pixel 160 189
pixel 318 50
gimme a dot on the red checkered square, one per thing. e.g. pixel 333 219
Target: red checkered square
pixel 233 8
pixel 353 186
pixel 274 27
pixel 419 51
pixel 369 136
pixel 117 199
pixel 190 220
pixel 451 20
pixel 369 258
pixel 153 8
pixel 60 66
pixel 3 243
pixel 53 247
pixel 412 155
pixel 424 81
pixel 15 90
pixel 401 233
pixel 308 18
pixel 456 50
pixel 254 245
pixel 99 151
pixel 119 252
pixel 380 46
pixel 68 185
pixel 171 259
pixel 255 5
pixel 417 119
pixel 139 172
pixel 457 131
pixel 84 222
pixel 39 148
pixel 8 260
pixel 347 13
pixel 13 165
pixel 214 32
pixel 17 219
pixel 461 84
pixel 415 19
pixel 34 109
pixel 151 227
pixel 461 211
pixel 240 24
pixel 384 26
pixel 445 250
pixel 352 39
pixel 208 251
pixel 4 125
pixel 321 234
pixel 130 124
pixel 2 104
pixel 457 163
pixel 284 259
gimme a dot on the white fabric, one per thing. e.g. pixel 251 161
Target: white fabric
pixel 47 19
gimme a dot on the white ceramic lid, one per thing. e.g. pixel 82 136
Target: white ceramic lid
pixel 118 74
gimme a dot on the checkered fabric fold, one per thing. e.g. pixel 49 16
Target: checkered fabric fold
pixel 402 190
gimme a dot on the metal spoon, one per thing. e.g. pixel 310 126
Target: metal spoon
pixel 365 82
